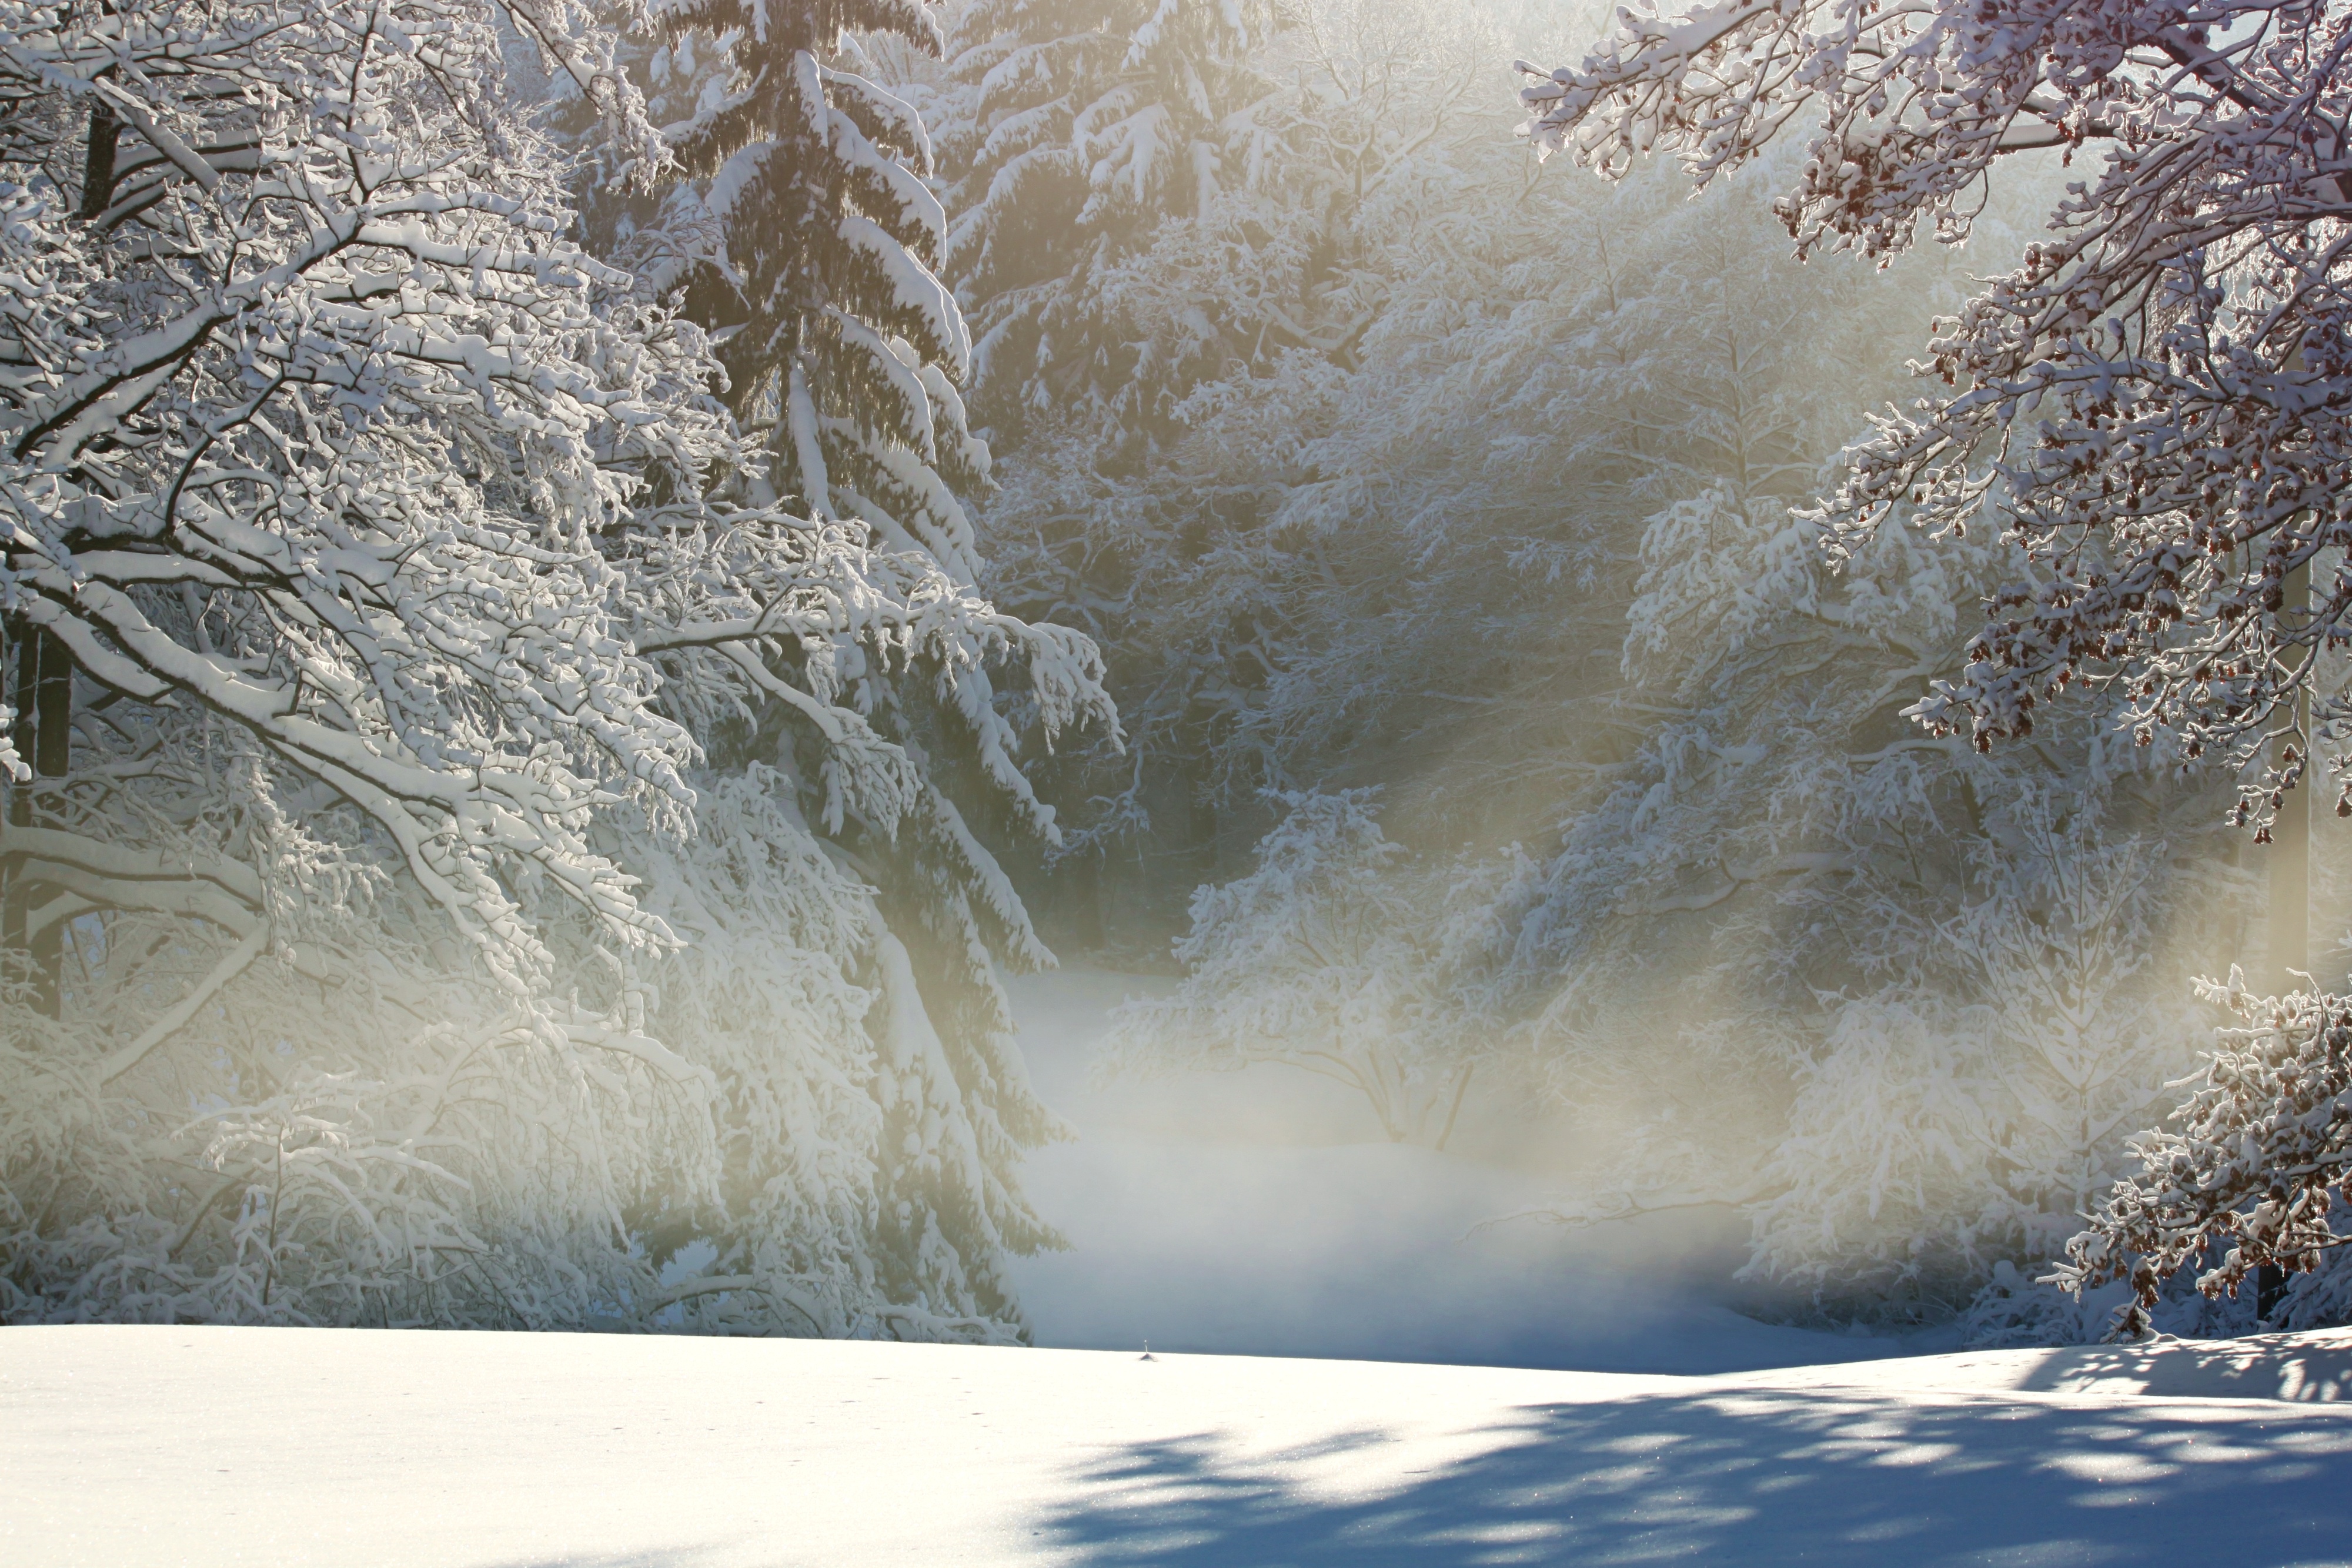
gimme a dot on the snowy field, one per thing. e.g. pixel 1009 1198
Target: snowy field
pixel 215 1447
pixel 1631 1416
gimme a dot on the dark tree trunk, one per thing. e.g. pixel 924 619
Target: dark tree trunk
pixel 2270 1290
pixel 44 695
pixel 97 160
pixel 43 698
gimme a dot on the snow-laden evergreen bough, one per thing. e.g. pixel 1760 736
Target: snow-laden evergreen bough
pixel 805 230
pixel 1084 124
pixel 371 634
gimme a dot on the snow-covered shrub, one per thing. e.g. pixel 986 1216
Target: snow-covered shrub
pixel 1961 1118
pixel 1897 1001
pixel 2250 1161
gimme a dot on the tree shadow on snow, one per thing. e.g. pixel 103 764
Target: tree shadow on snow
pixel 2295 1367
pixel 1820 1477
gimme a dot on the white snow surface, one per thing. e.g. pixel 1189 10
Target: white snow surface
pixel 159 1445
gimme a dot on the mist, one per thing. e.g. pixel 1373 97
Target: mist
pixel 1263 1212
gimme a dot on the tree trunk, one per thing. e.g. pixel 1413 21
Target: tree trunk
pixel 43 694
pixel 98 160
pixel 2290 891
pixel 44 736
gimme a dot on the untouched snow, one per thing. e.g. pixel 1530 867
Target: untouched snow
pixel 1259 1212
pixel 1242 1213
pixel 205 1447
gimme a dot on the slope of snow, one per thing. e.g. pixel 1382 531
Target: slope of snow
pixel 211 1446
pixel 2296 1368
pixel 1260 1212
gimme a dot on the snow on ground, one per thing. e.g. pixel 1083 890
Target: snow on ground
pixel 1242 1213
pixel 1259 1212
pixel 212 1447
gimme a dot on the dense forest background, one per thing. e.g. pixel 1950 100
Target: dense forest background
pixel 643 562
pixel 1493 726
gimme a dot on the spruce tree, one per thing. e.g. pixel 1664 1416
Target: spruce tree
pixel 821 240
pixel 800 223
pixel 1091 123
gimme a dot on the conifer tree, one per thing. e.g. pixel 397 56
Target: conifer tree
pixel 800 222
pixel 814 239
pixel 1091 122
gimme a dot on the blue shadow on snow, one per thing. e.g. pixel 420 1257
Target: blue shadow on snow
pixel 1765 1477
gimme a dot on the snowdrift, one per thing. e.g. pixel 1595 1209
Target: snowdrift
pixel 216 1446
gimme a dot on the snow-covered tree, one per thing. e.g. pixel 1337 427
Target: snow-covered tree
pixel 805 228
pixel 2143 407
pixel 369 512
pixel 1090 126
pixel 803 225
pixel 1336 957
pixel 2147 403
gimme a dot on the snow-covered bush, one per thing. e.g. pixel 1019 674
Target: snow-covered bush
pixel 1898 1002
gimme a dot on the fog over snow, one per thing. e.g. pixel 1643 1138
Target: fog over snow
pixel 1212 1215
pixel 1259 1212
